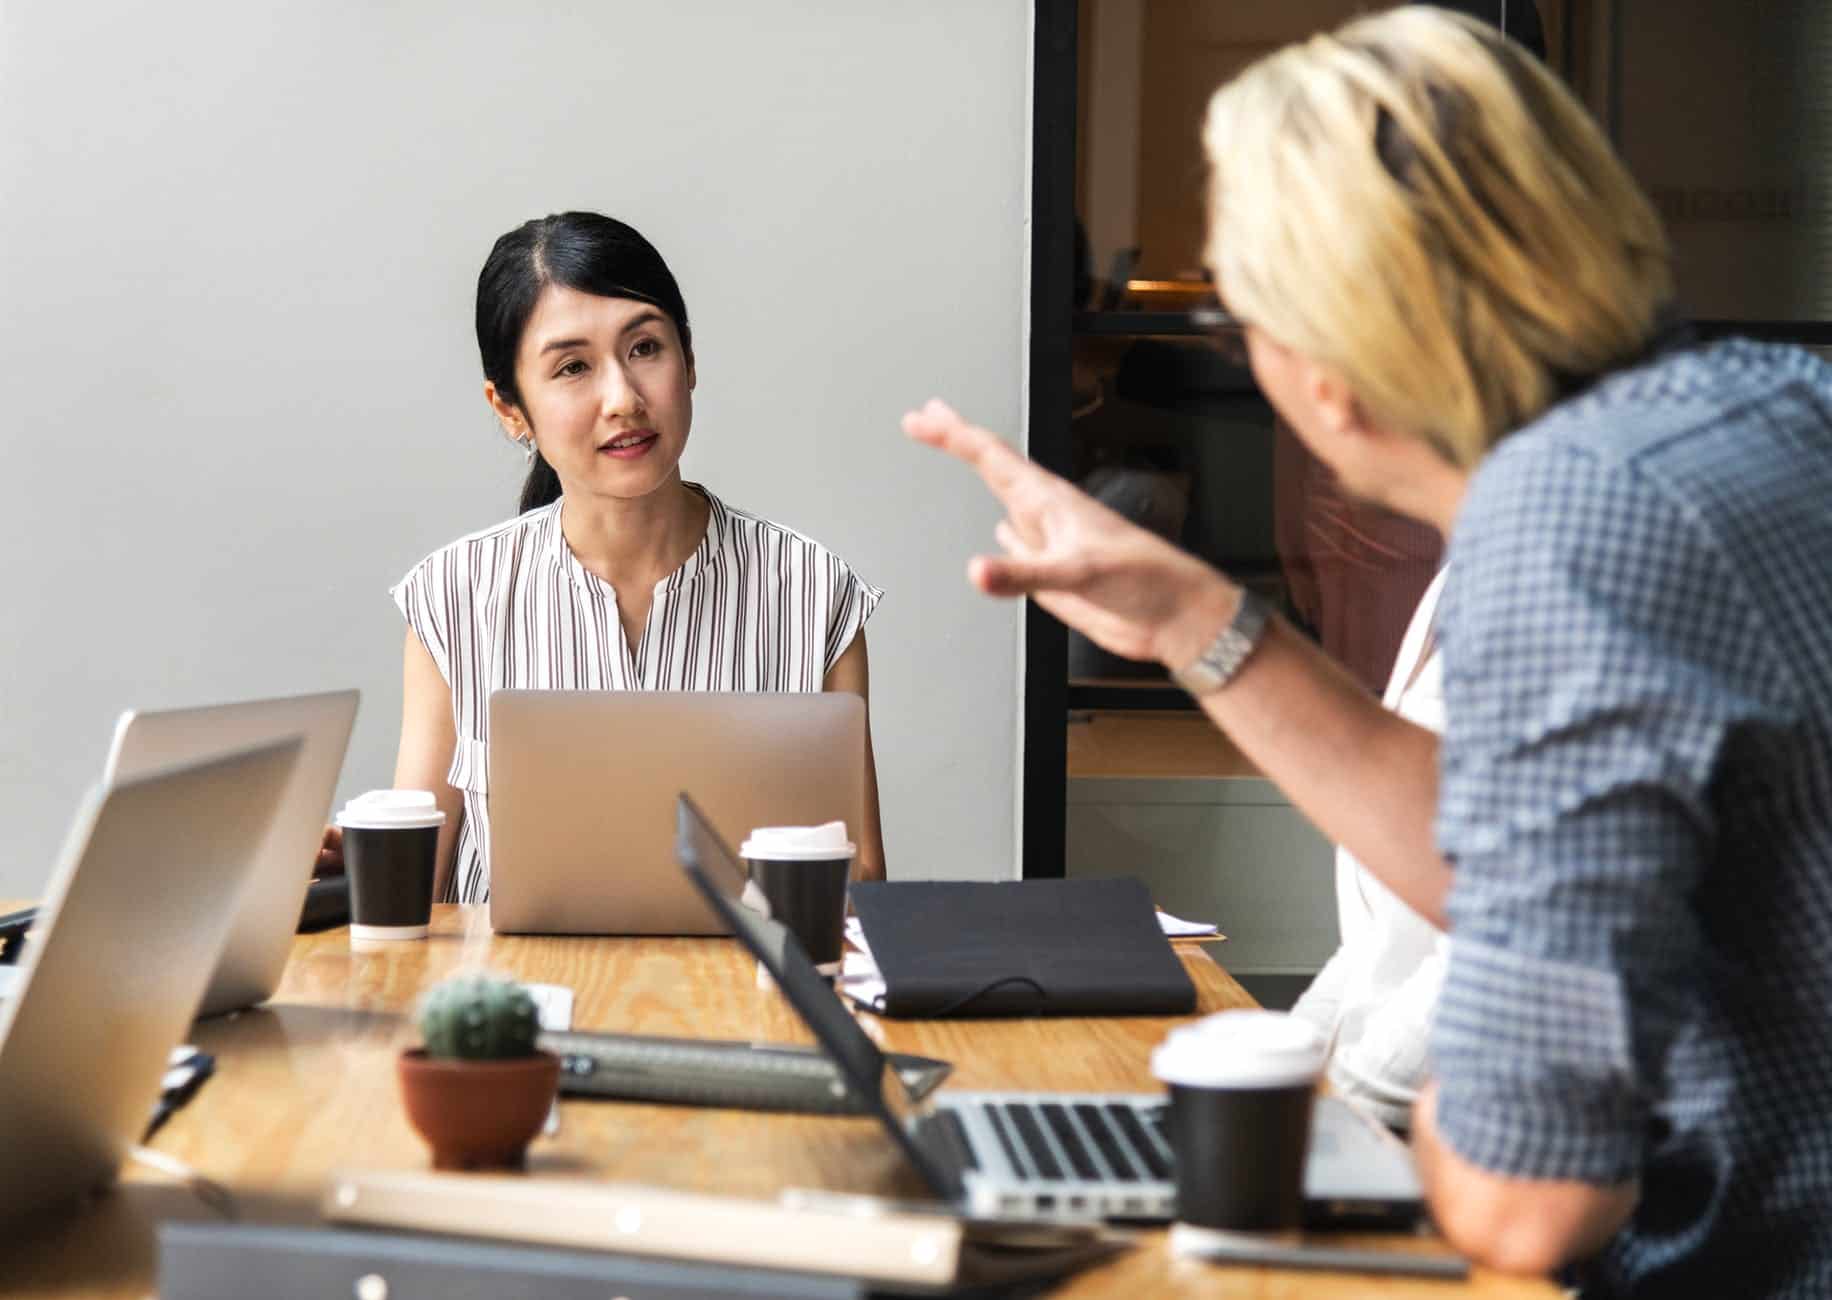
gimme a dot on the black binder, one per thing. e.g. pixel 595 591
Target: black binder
pixel 219 1261
pixel 1021 948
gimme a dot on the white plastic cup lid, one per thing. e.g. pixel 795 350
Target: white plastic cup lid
pixel 391 810
pixel 1242 1049
pixel 798 843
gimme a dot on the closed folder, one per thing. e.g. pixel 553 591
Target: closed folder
pixel 879 1246
pixel 1021 948
pixel 232 1261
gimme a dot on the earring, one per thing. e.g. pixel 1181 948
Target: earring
pixel 527 448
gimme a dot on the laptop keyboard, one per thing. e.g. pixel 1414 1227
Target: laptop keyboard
pixel 1048 1155
pixel 1002 1129
pixel 1030 1138
pixel 947 1130
pixel 1109 1143
pixel 1068 1137
pixel 1093 1141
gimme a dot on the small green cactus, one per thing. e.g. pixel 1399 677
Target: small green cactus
pixel 479 1018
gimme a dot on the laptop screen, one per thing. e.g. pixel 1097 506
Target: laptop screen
pixel 710 863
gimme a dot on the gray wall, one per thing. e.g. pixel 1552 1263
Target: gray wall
pixel 238 243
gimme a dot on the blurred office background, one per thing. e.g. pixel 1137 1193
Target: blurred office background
pixel 238 246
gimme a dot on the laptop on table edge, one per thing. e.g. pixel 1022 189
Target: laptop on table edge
pixel 1034 1155
pixel 267 912
pixel 134 917
pixel 269 908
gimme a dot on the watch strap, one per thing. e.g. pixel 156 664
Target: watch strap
pixel 1217 665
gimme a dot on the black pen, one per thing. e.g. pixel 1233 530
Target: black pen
pixel 181 1082
pixel 13 929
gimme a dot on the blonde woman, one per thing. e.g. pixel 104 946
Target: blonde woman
pixel 1454 293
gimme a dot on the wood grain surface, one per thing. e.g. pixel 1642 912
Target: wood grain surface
pixel 304 1085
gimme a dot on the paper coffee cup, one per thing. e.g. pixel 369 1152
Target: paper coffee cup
pixel 1241 1086
pixel 802 873
pixel 391 851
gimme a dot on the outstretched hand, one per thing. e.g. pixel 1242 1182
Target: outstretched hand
pixel 330 853
pixel 1124 588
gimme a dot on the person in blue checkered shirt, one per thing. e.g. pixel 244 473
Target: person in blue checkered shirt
pixel 1452 290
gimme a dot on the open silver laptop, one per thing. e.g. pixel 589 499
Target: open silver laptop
pixel 130 927
pixel 1033 1155
pixel 582 787
pixel 267 912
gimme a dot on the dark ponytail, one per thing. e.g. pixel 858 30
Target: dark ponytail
pixel 541 487
pixel 578 250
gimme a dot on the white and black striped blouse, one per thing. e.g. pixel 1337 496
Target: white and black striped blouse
pixel 757 607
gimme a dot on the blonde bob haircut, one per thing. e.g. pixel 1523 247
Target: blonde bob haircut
pixel 1415 202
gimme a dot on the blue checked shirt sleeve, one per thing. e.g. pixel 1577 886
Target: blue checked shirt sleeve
pixel 1599 653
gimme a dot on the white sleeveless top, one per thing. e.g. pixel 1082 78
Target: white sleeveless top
pixel 757 607
pixel 1376 997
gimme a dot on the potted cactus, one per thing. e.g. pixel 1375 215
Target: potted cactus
pixel 479 1090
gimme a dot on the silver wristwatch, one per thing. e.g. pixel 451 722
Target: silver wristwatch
pixel 1214 667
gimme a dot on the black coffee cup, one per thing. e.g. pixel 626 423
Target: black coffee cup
pixel 802 873
pixel 391 851
pixel 1241 1087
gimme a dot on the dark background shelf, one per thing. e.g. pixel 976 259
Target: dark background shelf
pixel 1153 695
pixel 1143 323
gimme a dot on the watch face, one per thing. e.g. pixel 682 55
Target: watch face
pixel 1216 665
pixel 1213 667
pixel 1226 654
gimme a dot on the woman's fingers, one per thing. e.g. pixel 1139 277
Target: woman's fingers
pixel 937 425
pixel 330 853
pixel 1011 540
pixel 1013 575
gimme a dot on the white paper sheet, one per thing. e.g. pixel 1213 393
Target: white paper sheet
pixel 554 1004
pixel 1177 928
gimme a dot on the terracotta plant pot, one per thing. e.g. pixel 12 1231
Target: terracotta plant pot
pixel 477 1114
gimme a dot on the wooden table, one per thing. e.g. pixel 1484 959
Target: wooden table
pixel 305 1085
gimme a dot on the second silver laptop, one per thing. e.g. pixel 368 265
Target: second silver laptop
pixel 582 790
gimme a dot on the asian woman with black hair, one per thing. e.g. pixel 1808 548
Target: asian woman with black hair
pixel 616 574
